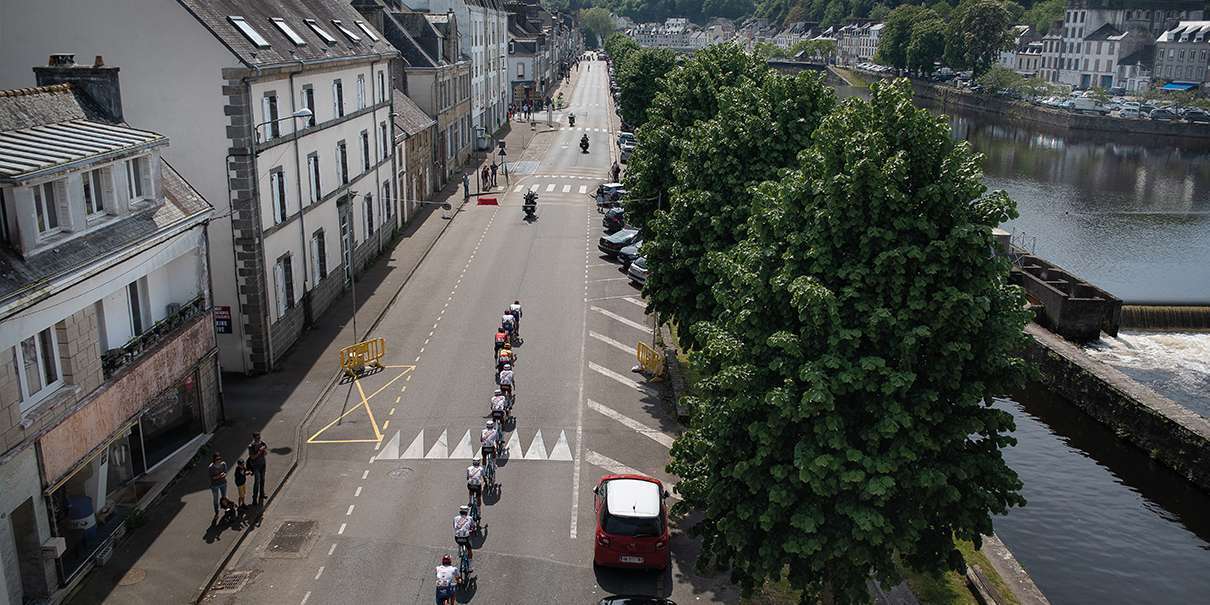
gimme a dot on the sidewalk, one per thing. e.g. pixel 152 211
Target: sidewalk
pixel 176 552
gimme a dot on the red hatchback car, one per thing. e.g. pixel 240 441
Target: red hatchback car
pixel 632 522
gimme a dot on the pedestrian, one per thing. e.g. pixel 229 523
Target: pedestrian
pixel 241 483
pixel 218 482
pixel 257 452
pixel 494 169
pixel 615 171
pixel 484 176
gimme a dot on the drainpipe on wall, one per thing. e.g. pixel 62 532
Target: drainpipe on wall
pixel 302 221
pixel 268 330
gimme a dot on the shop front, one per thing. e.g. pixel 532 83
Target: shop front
pixel 104 462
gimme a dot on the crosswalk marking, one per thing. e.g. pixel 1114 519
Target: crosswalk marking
pixel 634 301
pixel 440 449
pixel 626 380
pixel 583 188
pixel 629 350
pixel 550 187
pixel 537 448
pixel 610 314
pixel 640 428
pixel 467 448
pixel 518 188
pixel 566 188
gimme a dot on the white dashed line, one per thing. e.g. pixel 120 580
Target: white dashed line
pixel 357 493
pixel 320 572
pixel 365 473
pixel 332 549
pixel 305 597
pixel 350 511
pixel 341 531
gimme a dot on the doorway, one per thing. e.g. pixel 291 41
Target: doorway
pixel 29 552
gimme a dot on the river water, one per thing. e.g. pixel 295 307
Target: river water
pixel 1104 523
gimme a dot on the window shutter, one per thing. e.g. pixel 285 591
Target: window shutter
pixel 288 273
pixel 265 117
pixel 335 99
pixel 275 193
pixel 314 260
pixel 279 288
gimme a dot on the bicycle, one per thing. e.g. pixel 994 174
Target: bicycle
pixel 475 514
pixel 464 566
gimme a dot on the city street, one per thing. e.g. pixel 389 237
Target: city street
pixel 367 515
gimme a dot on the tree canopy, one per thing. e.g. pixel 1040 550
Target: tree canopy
pixel 597 21
pixel 638 75
pixel 842 418
pixel 976 32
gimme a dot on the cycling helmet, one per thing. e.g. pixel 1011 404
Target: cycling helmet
pixel 475 462
pixel 499 391
pixel 516 302
pixel 508 346
pixel 508 366
pixel 489 425
pixel 464 509
pixel 445 559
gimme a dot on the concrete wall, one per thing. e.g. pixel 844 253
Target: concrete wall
pixel 19 481
pixel 1177 437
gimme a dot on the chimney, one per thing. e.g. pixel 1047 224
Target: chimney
pixel 98 82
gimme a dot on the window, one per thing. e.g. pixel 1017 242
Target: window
pixel 338 98
pixel 344 30
pixel 342 162
pixel 369 206
pixel 365 151
pixel 308 101
pixel 136 171
pixel 134 299
pixel 520 70
pixel 36 360
pixel 366 30
pixel 319 257
pixel 382 85
pixel 283 284
pixel 385 135
pixel 319 31
pixel 94 193
pixel 251 34
pixel 277 187
pixel 387 202
pixel 313 177
pixel 288 31
pixel 45 203
pixel 269 115
pixel 361 91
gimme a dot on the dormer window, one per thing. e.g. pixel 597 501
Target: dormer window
pixel 319 31
pixel 97 192
pixel 46 208
pixel 137 178
pixel 344 30
pixel 249 32
pixel 288 31
pixel 366 29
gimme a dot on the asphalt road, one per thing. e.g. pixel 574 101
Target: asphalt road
pixel 368 514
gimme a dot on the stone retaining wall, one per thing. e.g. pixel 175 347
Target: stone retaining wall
pixel 1177 437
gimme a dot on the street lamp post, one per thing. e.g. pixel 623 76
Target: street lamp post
pixel 303 113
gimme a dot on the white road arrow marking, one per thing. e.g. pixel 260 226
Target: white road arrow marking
pixel 415 451
pixel 610 314
pixel 463 449
pixel 441 448
pixel 642 429
pixel 562 451
pixel 391 450
pixel 537 448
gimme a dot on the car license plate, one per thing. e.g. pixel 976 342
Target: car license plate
pixel 628 559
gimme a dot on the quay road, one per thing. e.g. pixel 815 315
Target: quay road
pixel 367 515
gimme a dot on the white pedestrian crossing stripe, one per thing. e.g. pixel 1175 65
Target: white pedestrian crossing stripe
pixel 566 188
pixel 518 188
pixel 550 187
pixel 583 188
pixel 467 447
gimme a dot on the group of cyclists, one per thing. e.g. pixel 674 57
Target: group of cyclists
pixel 481 474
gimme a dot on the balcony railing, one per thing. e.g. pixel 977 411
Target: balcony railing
pixel 114 360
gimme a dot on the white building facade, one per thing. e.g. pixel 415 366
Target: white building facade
pixel 301 203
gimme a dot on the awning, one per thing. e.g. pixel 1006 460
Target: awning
pixel 1181 86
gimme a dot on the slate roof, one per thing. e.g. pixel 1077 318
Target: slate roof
pixel 29 107
pixel 1103 32
pixel 1143 57
pixel 214 15
pixel 26 151
pixel 414 37
pixel 408 115
pixel 181 202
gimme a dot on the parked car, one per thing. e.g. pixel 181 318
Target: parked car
pixel 638 271
pixel 1088 105
pixel 634 600
pixel 1130 113
pixel 1163 115
pixel 1199 116
pixel 629 253
pixel 627 137
pixel 627 150
pixel 610 245
pixel 632 522
pixel 613 221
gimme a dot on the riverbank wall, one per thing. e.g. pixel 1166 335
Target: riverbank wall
pixel 1058 120
pixel 1177 437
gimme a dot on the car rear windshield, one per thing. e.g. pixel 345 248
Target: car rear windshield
pixel 632 526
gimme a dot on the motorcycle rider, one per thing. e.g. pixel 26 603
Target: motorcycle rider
pixel 571 119
pixel 584 143
pixel 530 205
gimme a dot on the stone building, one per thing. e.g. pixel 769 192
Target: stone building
pixel 415 131
pixel 108 361
pixel 298 197
pixel 1181 54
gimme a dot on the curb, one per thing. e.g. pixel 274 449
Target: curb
pixel 200 595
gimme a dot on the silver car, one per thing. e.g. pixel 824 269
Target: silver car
pixel 638 271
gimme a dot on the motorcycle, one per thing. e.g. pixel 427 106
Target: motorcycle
pixel 584 144
pixel 530 206
pixel 571 120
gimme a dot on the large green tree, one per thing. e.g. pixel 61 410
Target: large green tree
pixel 618 45
pixel 598 21
pixel 926 45
pixel 761 125
pixel 638 78
pixel 688 95
pixel 976 33
pixel 897 34
pixel 1043 14
pixel 844 416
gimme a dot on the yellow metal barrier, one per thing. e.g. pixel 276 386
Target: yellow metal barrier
pixel 355 358
pixel 651 360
